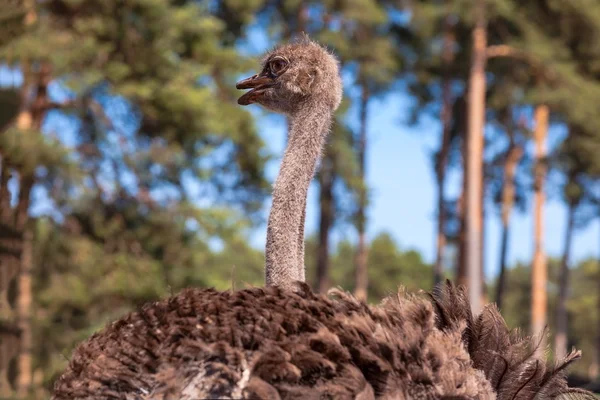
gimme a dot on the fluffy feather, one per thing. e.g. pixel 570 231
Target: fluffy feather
pixel 269 343
pixel 507 358
pixel 276 344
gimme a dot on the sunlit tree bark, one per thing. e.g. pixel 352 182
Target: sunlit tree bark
pixel 539 272
pixel 477 85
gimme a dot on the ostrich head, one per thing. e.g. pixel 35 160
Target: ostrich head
pixel 291 76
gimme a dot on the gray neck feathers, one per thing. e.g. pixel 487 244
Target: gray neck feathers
pixel 285 231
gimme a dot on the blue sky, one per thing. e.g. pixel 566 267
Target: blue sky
pixel 403 191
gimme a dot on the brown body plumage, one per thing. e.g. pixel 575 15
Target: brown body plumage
pixel 268 343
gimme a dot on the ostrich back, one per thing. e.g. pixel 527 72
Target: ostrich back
pixel 266 343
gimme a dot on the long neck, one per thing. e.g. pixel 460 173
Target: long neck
pixel 285 230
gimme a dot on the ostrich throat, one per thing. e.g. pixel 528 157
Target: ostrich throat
pixel 308 129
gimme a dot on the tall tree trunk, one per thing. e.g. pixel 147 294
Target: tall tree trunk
pixel 10 239
pixel 503 253
pixel 294 20
pixel 326 180
pixel 539 273
pixel 560 335
pixel 294 24
pixel 11 244
pixel 442 157
pixel 302 17
pixel 12 222
pixel 38 111
pixel 10 251
pixel 513 157
pixel 461 265
pixel 25 379
pixel 361 272
pixel 477 85
pixel 484 297
pixel 460 114
pixel 598 311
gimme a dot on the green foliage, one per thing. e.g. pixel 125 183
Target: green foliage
pixel 517 300
pixel 30 150
pixel 158 69
pixel 582 305
pixel 389 267
pixel 584 313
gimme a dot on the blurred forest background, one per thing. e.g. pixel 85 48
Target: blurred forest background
pixel 128 171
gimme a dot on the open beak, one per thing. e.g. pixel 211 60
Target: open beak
pixel 258 84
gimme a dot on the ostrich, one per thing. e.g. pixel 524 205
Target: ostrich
pixel 285 342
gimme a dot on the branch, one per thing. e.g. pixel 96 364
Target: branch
pixel 99 112
pixel 504 50
pixel 45 106
pixel 63 105
pixel 21 214
pixel 5 209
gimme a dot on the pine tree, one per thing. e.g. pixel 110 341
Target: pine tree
pixel 539 274
pixel 364 25
pixel 337 178
pixel 441 162
pixel 574 159
pixel 150 110
pixel 507 197
pixel 474 162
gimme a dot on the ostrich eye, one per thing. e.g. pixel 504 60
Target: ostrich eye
pixel 277 65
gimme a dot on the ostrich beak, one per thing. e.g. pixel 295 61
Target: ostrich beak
pixel 258 84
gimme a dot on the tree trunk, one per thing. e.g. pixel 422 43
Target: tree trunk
pixel 5 211
pixel 10 250
pixel 460 114
pixel 12 223
pixel 25 379
pixel 10 239
pixel 442 158
pixel 326 180
pixel 38 111
pixel 477 85
pixel 560 335
pixel 361 272
pixel 598 311
pixel 484 297
pixel 502 274
pixel 461 265
pixel 24 299
pixel 295 19
pixel 539 273
pixel 513 157
pixel 296 24
pixel 11 244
